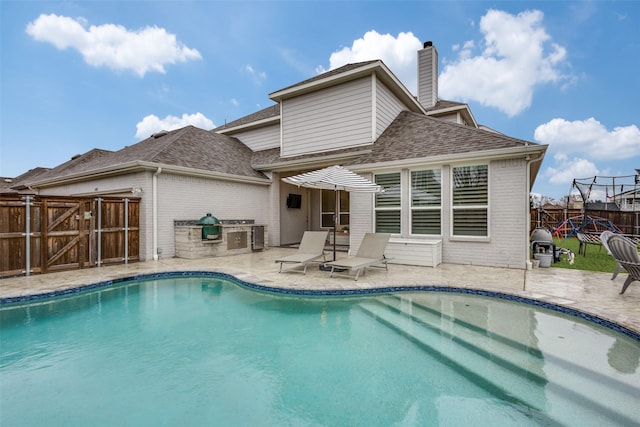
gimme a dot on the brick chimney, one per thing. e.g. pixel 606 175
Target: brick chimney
pixel 428 75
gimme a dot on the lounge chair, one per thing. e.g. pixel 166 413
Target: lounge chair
pixel 625 252
pixel 604 237
pixel 311 249
pixel 370 254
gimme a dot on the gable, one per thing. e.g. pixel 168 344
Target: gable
pixel 332 118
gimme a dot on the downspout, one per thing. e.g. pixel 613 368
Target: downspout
pixel 154 208
pixel 528 201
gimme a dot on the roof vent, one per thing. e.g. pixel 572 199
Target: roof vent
pixel 160 134
pixel 76 156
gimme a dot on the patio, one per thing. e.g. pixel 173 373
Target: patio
pixel 590 292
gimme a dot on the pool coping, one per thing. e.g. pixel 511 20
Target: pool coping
pixel 589 317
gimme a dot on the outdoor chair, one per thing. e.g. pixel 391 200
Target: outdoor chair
pixel 370 254
pixel 311 249
pixel 625 252
pixel 604 237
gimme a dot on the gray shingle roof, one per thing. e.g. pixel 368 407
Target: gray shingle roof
pixel 443 103
pixel 188 147
pixel 8 184
pixel 413 135
pixel 409 136
pixel 266 113
pixel 330 73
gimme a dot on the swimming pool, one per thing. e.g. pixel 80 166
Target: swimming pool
pixel 204 350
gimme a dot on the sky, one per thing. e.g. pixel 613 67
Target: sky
pixel 78 75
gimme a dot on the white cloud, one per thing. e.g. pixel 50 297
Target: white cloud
pixel 518 55
pixel 145 50
pixel 398 53
pixel 152 123
pixel 591 138
pixel 234 102
pixel 258 76
pixel 566 169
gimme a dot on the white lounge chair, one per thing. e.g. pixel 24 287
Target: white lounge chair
pixel 370 254
pixel 311 249
pixel 604 237
pixel 625 252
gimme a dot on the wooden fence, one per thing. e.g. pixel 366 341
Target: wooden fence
pixel 40 234
pixel 563 221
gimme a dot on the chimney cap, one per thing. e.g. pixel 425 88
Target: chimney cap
pixel 428 44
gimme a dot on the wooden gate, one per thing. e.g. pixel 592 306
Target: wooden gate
pixel 46 234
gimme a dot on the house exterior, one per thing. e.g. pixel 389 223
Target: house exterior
pixel 455 192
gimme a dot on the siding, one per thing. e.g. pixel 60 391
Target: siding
pixel 261 138
pixel 360 216
pixel 428 77
pixel 388 106
pixel 508 206
pixel 329 119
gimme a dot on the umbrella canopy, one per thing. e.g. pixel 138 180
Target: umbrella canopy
pixel 334 178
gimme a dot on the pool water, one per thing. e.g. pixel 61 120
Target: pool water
pixel 207 351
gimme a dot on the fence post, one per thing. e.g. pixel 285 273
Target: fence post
pixel 126 231
pixel 28 235
pixel 99 232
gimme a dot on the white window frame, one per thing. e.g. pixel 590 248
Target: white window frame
pixel 485 206
pixel 377 209
pixel 412 208
pixel 405 207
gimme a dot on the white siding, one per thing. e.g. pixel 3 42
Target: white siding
pixel 329 119
pixel 388 106
pixel 262 138
pixel 360 216
pixel 508 216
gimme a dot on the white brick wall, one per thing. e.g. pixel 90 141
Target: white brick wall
pixel 508 215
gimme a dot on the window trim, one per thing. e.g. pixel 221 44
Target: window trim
pixel 406 207
pixel 452 207
pixel 412 208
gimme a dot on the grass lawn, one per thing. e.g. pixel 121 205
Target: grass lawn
pixel 597 258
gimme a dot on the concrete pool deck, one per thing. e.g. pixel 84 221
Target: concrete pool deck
pixel 589 292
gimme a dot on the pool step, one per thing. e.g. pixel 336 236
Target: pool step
pixel 504 364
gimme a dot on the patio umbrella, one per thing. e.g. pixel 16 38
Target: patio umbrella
pixel 334 178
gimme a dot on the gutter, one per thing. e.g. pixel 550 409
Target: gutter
pixel 311 162
pixel 137 166
pixel 497 154
pixel 154 209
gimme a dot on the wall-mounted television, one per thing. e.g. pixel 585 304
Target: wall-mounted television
pixel 294 201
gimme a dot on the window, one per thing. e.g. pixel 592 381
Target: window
pixel 328 208
pixel 388 205
pixel 426 203
pixel 470 200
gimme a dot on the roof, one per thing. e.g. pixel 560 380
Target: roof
pixel 328 74
pixel 10 185
pixel 188 147
pixel 264 114
pixel 409 136
pixel 415 136
pixel 348 73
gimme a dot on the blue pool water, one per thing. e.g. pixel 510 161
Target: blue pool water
pixel 206 351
